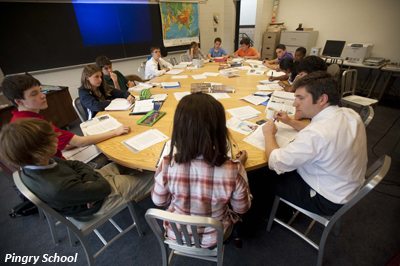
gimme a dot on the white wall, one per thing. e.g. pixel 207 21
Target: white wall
pixel 263 17
pixel 248 12
pixel 360 21
pixel 225 29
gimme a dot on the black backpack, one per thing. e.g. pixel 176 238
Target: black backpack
pixel 23 209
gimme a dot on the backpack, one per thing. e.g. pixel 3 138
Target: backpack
pixel 23 209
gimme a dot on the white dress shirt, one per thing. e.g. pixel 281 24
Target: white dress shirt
pixel 151 69
pixel 330 154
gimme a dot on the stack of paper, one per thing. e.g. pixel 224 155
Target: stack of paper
pixel 211 74
pixel 269 87
pixel 275 73
pixel 199 76
pixel 243 127
pixel 267 81
pixel 256 100
pixel 145 140
pixel 159 97
pixel 99 125
pixel 254 62
pixel 280 101
pixel 119 104
pixel 229 72
pixel 255 71
pixel 143 106
pixel 180 77
pixel 170 85
pixel 245 112
pixel 174 71
pixel 219 95
pixel 140 86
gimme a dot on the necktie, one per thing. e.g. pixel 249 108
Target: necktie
pixel 158 66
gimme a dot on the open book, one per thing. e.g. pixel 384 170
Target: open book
pixel 100 124
pixel 119 104
pixel 145 139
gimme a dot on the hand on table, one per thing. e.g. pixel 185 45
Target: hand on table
pixel 269 128
pixel 122 130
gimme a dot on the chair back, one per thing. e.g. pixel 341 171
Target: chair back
pixel 334 71
pixel 80 110
pixel 348 82
pixel 188 241
pixel 173 61
pixel 367 114
pixel 185 58
pixel 141 69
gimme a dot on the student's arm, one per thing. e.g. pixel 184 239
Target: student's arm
pixel 294 123
pixel 114 78
pixel 256 54
pixel 122 94
pixel 165 64
pixel 281 78
pixel 152 71
pixel 269 131
pixel 161 195
pixel 209 53
pixel 80 141
pixel 236 54
pixel 241 197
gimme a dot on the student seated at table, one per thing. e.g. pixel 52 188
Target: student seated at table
pixel 287 66
pixel 70 187
pixel 95 94
pixel 217 50
pixel 281 54
pixel 194 52
pixel 24 92
pixel 245 51
pixel 198 177
pixel 156 66
pixel 325 165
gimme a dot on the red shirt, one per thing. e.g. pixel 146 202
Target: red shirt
pixel 64 137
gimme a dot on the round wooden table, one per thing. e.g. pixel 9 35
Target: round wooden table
pixel 147 159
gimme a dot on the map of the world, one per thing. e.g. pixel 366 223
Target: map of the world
pixel 180 23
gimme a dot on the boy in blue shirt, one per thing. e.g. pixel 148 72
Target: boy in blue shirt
pixel 217 51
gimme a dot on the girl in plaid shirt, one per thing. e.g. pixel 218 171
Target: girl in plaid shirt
pixel 198 177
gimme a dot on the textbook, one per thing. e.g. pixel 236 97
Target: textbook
pixel 100 124
pixel 119 104
pixel 84 154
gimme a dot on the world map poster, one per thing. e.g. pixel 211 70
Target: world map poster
pixel 180 23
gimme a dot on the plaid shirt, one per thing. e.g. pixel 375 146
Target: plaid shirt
pixel 197 188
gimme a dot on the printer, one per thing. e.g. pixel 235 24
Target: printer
pixel 356 52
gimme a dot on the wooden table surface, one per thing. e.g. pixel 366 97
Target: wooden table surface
pixel 147 159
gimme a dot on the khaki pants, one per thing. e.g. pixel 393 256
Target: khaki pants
pixel 133 186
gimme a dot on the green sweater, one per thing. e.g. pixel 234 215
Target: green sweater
pixel 122 81
pixel 68 187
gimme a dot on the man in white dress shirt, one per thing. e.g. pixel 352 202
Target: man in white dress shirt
pixel 324 167
pixel 156 66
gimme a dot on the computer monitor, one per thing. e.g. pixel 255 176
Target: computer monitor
pixel 333 48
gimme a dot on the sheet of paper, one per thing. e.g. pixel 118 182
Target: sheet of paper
pixel 211 74
pixel 180 95
pixel 145 139
pixel 243 127
pixel 199 76
pixel 179 66
pixel 263 93
pixel 174 72
pixel 244 68
pixel 173 84
pixel 119 104
pixel 159 97
pixel 255 71
pixel 255 62
pixel 275 73
pixel 267 81
pixel 244 112
pixel 180 77
pixel 273 107
pixel 256 100
pixel 99 125
pixel 143 106
pixel 219 95
pixel 83 154
pixel 269 87
pixel 284 135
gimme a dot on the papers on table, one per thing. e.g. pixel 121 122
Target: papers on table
pixel 119 104
pixel 254 62
pixel 269 87
pixel 243 127
pixel 280 101
pixel 170 85
pixel 180 66
pixel 263 93
pixel 100 124
pixel 159 97
pixel 180 95
pixel 243 67
pixel 267 81
pixel 244 112
pixel 211 74
pixel 199 76
pixel 145 140
pixel 174 71
pixel 255 71
pixel 256 100
pixel 284 136
pixel 83 154
pixel 220 95
pixel 275 73
pixel 180 77
pixel 237 60
pixel 143 106
pixel 140 86
pixel 229 72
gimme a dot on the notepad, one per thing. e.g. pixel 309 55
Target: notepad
pixel 143 107
pixel 145 140
pixel 244 112
pixel 119 104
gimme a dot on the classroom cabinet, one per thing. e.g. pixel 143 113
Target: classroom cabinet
pixel 270 41
pixel 294 39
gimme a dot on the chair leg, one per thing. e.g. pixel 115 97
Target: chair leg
pixel 273 212
pixel 131 207
pixel 53 232
pixel 71 237
pixel 89 257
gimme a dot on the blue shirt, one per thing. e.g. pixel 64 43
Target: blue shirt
pixel 220 52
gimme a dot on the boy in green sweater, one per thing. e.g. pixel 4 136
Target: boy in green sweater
pixel 70 187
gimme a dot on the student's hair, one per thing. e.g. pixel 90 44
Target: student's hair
pixel 200 130
pixel 311 64
pixel 245 41
pixel 318 83
pixel 281 46
pixel 102 61
pixel 218 39
pixel 286 64
pixel 26 141
pixel 154 48
pixel 13 87
pixel 302 50
pixel 102 91
pixel 194 44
